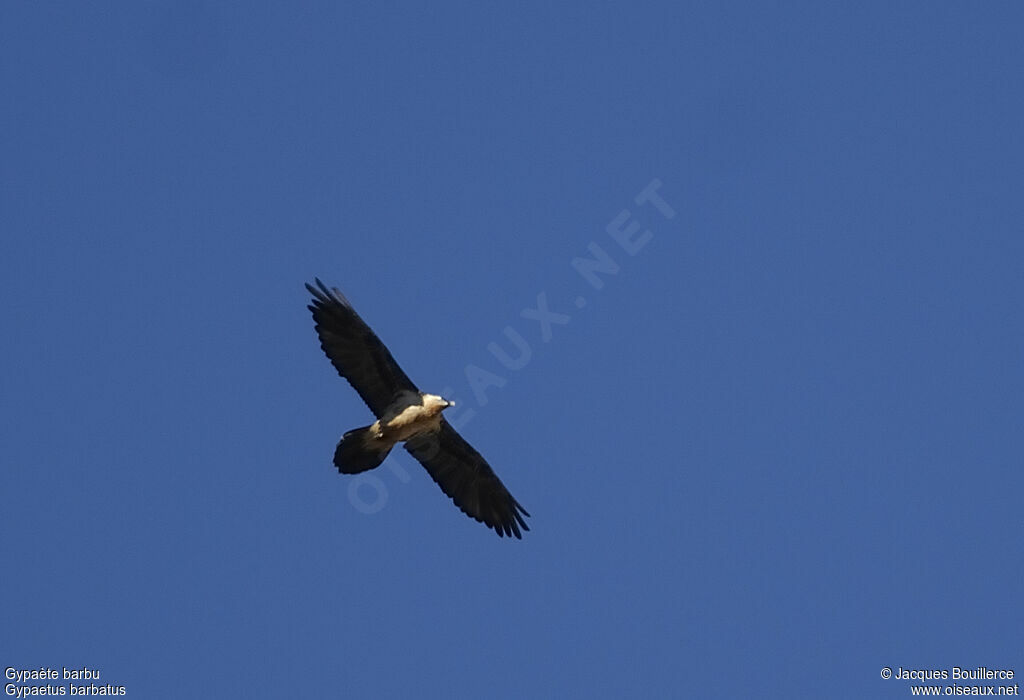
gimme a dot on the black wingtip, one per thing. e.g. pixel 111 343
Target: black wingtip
pixel 511 524
pixel 327 295
pixel 318 295
pixel 514 526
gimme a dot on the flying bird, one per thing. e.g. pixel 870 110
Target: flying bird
pixel 406 414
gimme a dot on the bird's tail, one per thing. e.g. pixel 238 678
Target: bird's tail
pixel 358 452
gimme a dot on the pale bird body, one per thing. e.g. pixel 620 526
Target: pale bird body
pixel 411 415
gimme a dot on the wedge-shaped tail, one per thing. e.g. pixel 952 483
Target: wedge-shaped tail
pixel 359 452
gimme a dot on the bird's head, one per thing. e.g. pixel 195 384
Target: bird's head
pixel 435 402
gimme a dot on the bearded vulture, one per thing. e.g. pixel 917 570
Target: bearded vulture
pixel 406 414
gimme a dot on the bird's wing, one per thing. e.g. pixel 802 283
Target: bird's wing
pixel 468 480
pixel 355 350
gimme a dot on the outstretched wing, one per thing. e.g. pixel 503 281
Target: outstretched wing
pixel 355 350
pixel 468 480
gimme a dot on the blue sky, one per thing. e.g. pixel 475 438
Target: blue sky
pixel 776 451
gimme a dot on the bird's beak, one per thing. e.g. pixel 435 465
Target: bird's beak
pixel 448 403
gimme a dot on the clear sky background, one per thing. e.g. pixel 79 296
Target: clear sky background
pixel 778 450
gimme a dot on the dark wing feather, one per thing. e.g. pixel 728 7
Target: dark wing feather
pixel 355 350
pixel 468 480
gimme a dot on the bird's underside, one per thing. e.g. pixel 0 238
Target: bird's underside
pixel 405 414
